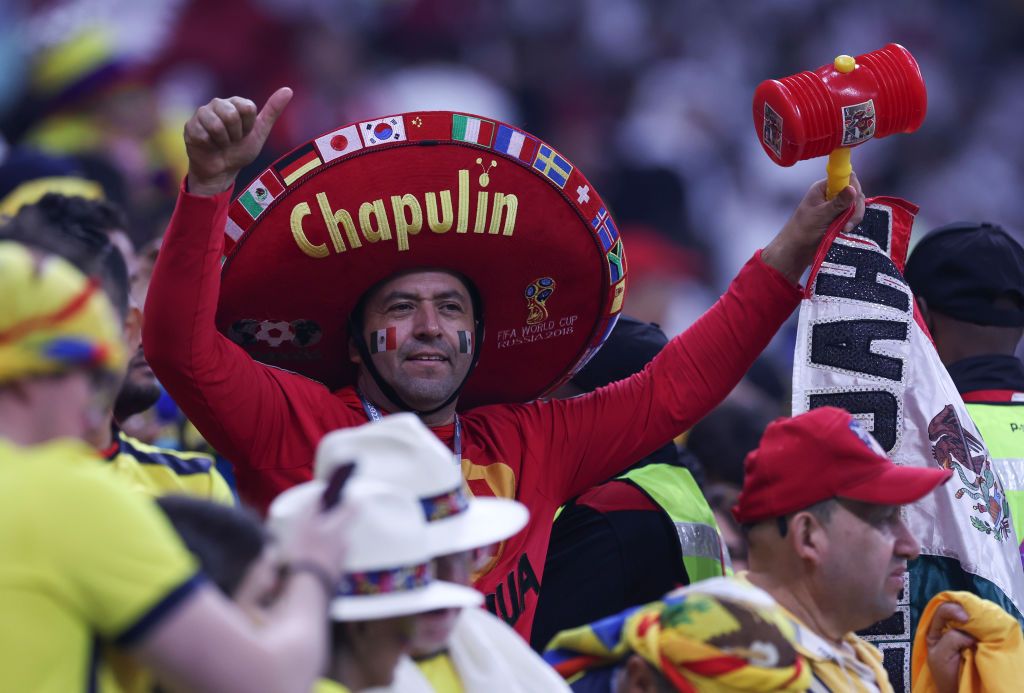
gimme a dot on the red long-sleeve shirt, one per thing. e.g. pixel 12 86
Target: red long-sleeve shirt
pixel 268 421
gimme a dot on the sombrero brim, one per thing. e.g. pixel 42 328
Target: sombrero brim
pixel 425 190
pixel 437 595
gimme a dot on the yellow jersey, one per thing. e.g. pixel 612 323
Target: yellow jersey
pixel 86 562
pixel 157 471
pixel 440 671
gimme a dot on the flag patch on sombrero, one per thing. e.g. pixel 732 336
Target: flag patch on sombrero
pixel 338 143
pixel 553 166
pixel 297 164
pixel 484 200
pixel 616 270
pixel 383 131
pixel 473 130
pixel 260 194
pixel 606 230
pixel 515 143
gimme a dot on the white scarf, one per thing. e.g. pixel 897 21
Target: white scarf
pixel 489 658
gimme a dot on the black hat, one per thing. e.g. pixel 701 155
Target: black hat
pixel 631 346
pixel 961 269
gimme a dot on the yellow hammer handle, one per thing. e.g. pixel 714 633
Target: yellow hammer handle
pixel 838 169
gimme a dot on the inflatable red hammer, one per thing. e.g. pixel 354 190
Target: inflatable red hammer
pixel 839 106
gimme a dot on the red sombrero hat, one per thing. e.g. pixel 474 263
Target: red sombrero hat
pixel 425 190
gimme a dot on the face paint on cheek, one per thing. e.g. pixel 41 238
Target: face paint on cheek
pixel 383 340
pixel 465 342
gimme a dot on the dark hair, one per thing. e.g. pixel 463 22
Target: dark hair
pixel 226 540
pixel 822 510
pixel 76 229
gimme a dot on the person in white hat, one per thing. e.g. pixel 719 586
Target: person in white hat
pixel 453 648
pixel 388 578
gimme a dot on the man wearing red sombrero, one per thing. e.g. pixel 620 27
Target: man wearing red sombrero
pixel 362 270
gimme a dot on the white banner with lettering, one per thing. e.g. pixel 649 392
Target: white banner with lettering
pixel 861 345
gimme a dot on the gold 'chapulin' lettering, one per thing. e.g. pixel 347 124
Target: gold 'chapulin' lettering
pixel 494 214
pixel 332 219
pixel 315 251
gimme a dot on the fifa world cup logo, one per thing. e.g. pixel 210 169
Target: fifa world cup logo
pixel 537 294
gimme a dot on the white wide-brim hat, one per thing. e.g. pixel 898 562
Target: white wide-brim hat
pixel 400 450
pixel 388 567
pixel 437 595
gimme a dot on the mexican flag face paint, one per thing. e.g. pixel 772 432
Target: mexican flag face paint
pixel 383 340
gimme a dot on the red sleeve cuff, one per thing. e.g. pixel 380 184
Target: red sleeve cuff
pixel 221 197
pixel 775 277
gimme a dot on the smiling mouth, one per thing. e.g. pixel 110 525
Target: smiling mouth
pixel 428 358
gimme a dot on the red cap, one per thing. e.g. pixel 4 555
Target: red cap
pixel 821 454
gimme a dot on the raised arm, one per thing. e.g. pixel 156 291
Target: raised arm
pixel 239 405
pixel 596 436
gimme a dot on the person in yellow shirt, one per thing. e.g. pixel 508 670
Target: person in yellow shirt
pixel 88 562
pixel 90 234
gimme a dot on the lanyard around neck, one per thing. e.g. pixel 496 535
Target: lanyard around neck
pixel 373 414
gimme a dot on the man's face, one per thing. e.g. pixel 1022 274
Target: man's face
pixel 416 327
pixel 140 389
pixel 869 546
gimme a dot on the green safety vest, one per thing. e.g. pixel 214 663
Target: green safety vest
pixel 1002 428
pixel 674 490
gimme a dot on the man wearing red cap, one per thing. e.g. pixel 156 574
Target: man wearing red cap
pixel 821 510
pixel 361 265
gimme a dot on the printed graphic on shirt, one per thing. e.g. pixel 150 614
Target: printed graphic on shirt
pixel 508 600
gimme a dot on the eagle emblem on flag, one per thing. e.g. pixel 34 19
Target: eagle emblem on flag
pixel 957 449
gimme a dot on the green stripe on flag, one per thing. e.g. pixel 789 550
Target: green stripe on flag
pixel 459 123
pixel 253 207
pixel 930 575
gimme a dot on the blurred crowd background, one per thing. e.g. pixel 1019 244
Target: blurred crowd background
pixel 650 98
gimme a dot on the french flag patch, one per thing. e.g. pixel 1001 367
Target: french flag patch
pixel 383 340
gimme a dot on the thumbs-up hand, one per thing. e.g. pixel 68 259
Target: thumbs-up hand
pixel 226 135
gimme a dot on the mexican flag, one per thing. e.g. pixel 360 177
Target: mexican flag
pixel 861 345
